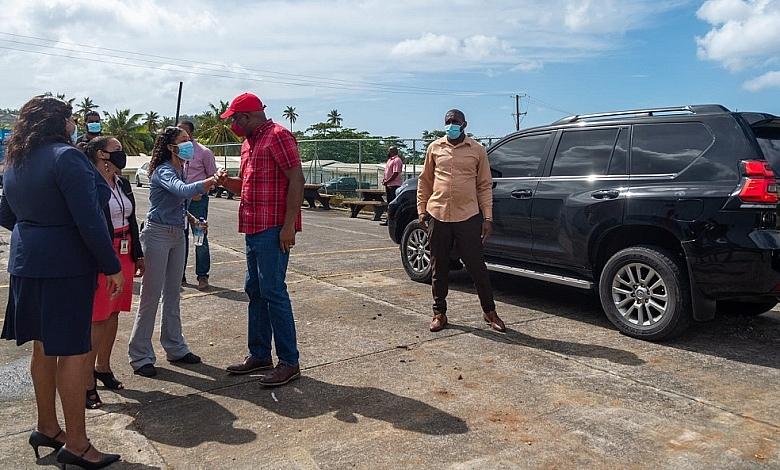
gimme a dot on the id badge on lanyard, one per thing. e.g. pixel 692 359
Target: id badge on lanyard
pixel 124 246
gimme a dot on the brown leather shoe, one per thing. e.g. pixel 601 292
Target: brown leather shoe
pixel 281 375
pixel 439 322
pixel 495 322
pixel 250 364
pixel 203 283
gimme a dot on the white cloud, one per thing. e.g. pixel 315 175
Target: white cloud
pixel 261 43
pixel 528 66
pixel 745 33
pixel 767 80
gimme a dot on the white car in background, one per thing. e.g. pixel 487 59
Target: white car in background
pixel 142 175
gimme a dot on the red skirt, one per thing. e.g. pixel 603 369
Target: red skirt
pixel 104 305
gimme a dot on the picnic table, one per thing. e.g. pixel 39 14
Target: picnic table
pixel 311 193
pixel 370 198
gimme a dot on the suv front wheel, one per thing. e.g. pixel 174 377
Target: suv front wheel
pixel 416 252
pixel 645 293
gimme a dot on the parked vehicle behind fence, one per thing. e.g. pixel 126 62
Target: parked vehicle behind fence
pixel 668 214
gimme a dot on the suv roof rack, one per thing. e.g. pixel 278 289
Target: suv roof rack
pixel 647 112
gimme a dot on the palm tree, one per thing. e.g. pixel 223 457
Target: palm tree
pixel 335 118
pixel 86 106
pixel 151 122
pixel 167 121
pixel 127 129
pixel 61 96
pixel 213 129
pixel 291 116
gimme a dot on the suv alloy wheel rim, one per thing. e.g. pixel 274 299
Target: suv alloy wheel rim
pixel 640 295
pixel 418 251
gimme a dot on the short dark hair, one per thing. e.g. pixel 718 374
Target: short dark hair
pixel 91 113
pixel 98 143
pixel 458 113
pixel 189 125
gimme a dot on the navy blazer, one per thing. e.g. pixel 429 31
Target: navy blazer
pixel 54 203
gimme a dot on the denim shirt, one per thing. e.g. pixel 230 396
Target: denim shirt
pixel 168 193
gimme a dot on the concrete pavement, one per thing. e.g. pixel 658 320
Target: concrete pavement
pixel 562 389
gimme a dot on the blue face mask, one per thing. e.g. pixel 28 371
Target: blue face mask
pixel 93 127
pixel 74 136
pixel 453 131
pixel 186 150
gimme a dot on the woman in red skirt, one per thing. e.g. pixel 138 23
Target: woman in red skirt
pixel 107 155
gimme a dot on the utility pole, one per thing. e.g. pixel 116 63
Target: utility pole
pixel 178 105
pixel 517 112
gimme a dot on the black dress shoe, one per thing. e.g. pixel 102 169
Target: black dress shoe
pixel 66 457
pixel 188 358
pixel 39 439
pixel 147 370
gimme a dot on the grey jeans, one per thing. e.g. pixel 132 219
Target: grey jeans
pixel 163 247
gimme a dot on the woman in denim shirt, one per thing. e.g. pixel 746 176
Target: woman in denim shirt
pixel 162 240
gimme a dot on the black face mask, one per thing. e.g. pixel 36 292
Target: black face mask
pixel 118 158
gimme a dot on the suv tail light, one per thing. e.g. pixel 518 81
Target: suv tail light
pixel 760 183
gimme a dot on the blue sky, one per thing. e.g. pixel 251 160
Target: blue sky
pixel 566 55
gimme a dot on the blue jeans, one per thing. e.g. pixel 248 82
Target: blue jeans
pixel 202 255
pixel 270 310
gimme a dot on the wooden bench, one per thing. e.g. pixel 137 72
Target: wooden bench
pixel 356 205
pixel 311 193
pixel 323 198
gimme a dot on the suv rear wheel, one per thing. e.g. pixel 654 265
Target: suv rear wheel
pixel 645 293
pixel 416 252
pixel 732 307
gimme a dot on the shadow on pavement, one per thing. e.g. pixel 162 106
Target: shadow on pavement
pixel 745 339
pixel 178 423
pixel 514 337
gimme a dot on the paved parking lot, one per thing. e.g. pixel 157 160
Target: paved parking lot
pixel 562 389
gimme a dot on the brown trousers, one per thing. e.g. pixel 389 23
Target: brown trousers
pixel 466 237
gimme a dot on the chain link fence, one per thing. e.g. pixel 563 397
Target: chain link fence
pixel 325 160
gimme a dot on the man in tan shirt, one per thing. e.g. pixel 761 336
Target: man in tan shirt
pixel 455 201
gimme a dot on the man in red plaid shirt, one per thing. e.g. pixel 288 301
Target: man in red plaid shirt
pixel 271 186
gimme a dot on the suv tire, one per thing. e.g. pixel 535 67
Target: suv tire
pixel 416 252
pixel 732 307
pixel 645 293
pixel 138 182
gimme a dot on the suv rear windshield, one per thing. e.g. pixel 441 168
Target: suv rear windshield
pixel 768 137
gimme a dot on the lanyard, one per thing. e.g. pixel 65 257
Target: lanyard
pixel 119 199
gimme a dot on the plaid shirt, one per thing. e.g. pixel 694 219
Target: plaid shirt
pixel 271 151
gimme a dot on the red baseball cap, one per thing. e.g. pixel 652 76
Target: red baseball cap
pixel 243 103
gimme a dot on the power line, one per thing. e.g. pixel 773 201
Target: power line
pixel 303 79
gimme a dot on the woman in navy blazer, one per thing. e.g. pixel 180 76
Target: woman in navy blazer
pixel 53 203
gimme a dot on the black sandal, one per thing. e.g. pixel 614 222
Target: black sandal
pixel 93 399
pixel 109 380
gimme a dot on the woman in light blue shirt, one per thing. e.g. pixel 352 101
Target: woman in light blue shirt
pixel 162 240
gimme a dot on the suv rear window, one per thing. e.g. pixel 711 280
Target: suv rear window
pixel 519 157
pixel 768 137
pixel 667 148
pixel 584 152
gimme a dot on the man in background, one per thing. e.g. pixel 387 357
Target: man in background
pixel 202 166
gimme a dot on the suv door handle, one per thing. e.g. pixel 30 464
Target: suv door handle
pixel 606 194
pixel 522 193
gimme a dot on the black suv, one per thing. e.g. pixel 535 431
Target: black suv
pixel 669 214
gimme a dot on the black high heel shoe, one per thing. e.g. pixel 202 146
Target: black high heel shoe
pixel 65 457
pixel 109 380
pixel 39 439
pixel 93 401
